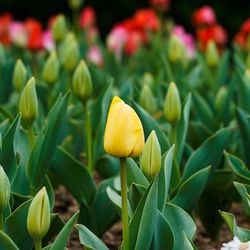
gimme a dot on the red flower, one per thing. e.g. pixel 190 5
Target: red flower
pixel 134 41
pixel 35 35
pixel 87 18
pixel 241 37
pixel 160 5
pixel 245 27
pixel 215 32
pixel 5 21
pixel 204 16
pixel 146 19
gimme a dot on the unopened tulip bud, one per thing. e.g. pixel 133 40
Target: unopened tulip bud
pixel 51 69
pixel 172 105
pixel 124 136
pixel 75 4
pixel 247 76
pixel 147 79
pixel 38 221
pixel 59 28
pixel 82 83
pixel 28 104
pixel 212 54
pixel 176 50
pixel 70 54
pixel 220 98
pixel 19 75
pixel 4 190
pixel 147 100
pixel 151 156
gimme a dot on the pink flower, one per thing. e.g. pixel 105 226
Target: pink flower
pixel 18 34
pixel 116 40
pixel 47 40
pixel 204 16
pixel 94 55
pixel 187 40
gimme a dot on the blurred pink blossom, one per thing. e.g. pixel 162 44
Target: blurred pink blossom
pixel 18 34
pixel 47 40
pixel 186 38
pixel 116 40
pixel 94 55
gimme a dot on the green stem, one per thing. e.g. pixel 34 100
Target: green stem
pixel 125 229
pixel 174 136
pixel 89 137
pixel 38 244
pixel 30 136
pixel 1 220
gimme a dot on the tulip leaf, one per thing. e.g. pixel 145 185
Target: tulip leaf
pixel 6 242
pixel 46 142
pixel 164 178
pixel 143 221
pixel 136 192
pixel 243 92
pixel 241 233
pixel 183 128
pixel 149 124
pixel 134 174
pixel 62 238
pixel 238 167
pixel 66 168
pixel 244 124
pixel 180 221
pixel 16 227
pixel 163 234
pixel 200 157
pixel 89 240
pixel 8 153
pixel 223 68
pixel 117 201
pixel 191 189
pixel 243 190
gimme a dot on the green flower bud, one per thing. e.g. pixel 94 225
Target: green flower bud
pixel 75 4
pixel 38 221
pixel 147 100
pixel 59 28
pixel 28 104
pixel 51 69
pixel 212 54
pixel 148 79
pixel 220 98
pixel 4 190
pixel 82 83
pixel 247 76
pixel 19 75
pixel 151 156
pixel 172 105
pixel 176 50
pixel 70 53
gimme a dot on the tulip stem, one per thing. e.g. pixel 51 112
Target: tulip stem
pixel 174 136
pixel 89 137
pixel 30 136
pixel 125 229
pixel 1 220
pixel 38 244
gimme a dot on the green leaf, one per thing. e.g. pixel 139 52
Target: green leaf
pixel 200 157
pixel 134 174
pixel 136 192
pixel 142 224
pixel 163 235
pixel 46 142
pixel 243 121
pixel 241 233
pixel 89 240
pixel 223 68
pixel 66 168
pixel 149 124
pixel 243 190
pixel 16 227
pixel 62 238
pixel 8 153
pixel 6 242
pixel 238 167
pixel 164 178
pixel 191 189
pixel 180 221
pixel 183 128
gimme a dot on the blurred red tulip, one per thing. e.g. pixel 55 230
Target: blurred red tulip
pixel 204 16
pixel 35 35
pixel 241 38
pixel 5 21
pixel 87 18
pixel 160 5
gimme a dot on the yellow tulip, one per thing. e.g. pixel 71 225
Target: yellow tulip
pixel 124 136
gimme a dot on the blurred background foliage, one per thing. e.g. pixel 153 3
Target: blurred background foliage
pixel 230 13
